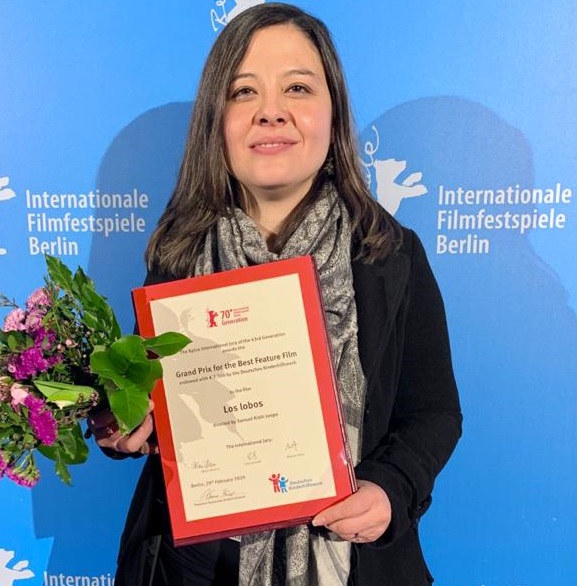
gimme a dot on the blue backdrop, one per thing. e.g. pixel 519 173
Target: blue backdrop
pixel 468 133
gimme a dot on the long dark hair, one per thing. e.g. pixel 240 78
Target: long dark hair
pixel 206 190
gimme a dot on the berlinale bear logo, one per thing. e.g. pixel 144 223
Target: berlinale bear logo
pixel 222 19
pixel 5 194
pixel 19 571
pixel 390 189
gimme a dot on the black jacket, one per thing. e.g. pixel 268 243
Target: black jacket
pixel 411 426
pixel 412 417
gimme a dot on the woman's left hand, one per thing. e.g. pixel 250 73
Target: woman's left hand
pixel 362 517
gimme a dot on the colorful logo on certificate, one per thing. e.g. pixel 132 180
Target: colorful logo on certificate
pixel 279 483
pixel 226 317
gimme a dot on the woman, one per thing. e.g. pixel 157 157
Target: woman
pixel 271 171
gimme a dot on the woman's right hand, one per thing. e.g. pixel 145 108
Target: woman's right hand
pixel 104 427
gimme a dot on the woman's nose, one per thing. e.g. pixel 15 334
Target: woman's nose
pixel 277 119
pixel 272 111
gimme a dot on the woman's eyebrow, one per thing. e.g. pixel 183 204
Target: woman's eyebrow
pixel 247 74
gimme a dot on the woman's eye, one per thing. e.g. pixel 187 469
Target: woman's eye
pixel 298 88
pixel 241 92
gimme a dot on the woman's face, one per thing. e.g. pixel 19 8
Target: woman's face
pixel 278 116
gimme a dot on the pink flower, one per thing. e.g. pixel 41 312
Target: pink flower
pixel 38 298
pixel 18 393
pixel 33 320
pixel 27 478
pixel 23 473
pixel 14 320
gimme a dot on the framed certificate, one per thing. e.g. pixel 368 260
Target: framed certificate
pixel 248 417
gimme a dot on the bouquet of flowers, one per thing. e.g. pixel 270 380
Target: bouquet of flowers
pixel 61 356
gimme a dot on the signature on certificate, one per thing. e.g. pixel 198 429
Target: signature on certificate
pixel 211 494
pixel 202 464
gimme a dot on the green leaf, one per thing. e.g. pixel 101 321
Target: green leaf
pixel 66 313
pixel 75 444
pixel 167 344
pixel 70 447
pixel 64 394
pixel 4 337
pixel 60 464
pixel 96 308
pixel 102 364
pixel 129 406
pixel 17 341
pixel 129 349
pixel 59 273
pixel 62 472
pixel 8 416
pixel 126 363
pixel 29 438
pixel 96 313
pixel 81 281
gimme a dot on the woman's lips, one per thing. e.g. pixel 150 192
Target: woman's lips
pixel 271 145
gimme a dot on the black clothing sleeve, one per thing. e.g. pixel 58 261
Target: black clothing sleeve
pixel 425 418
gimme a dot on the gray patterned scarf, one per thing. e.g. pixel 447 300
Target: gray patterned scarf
pixel 312 558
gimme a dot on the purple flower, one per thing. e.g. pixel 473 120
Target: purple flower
pixel 38 298
pixel 37 359
pixel 14 320
pixel 41 419
pixel 33 403
pixel 42 334
pixel 43 425
pixel 45 339
pixel 28 363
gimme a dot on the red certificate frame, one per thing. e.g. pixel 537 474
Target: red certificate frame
pixel 196 526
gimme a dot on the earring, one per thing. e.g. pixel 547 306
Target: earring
pixel 329 165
